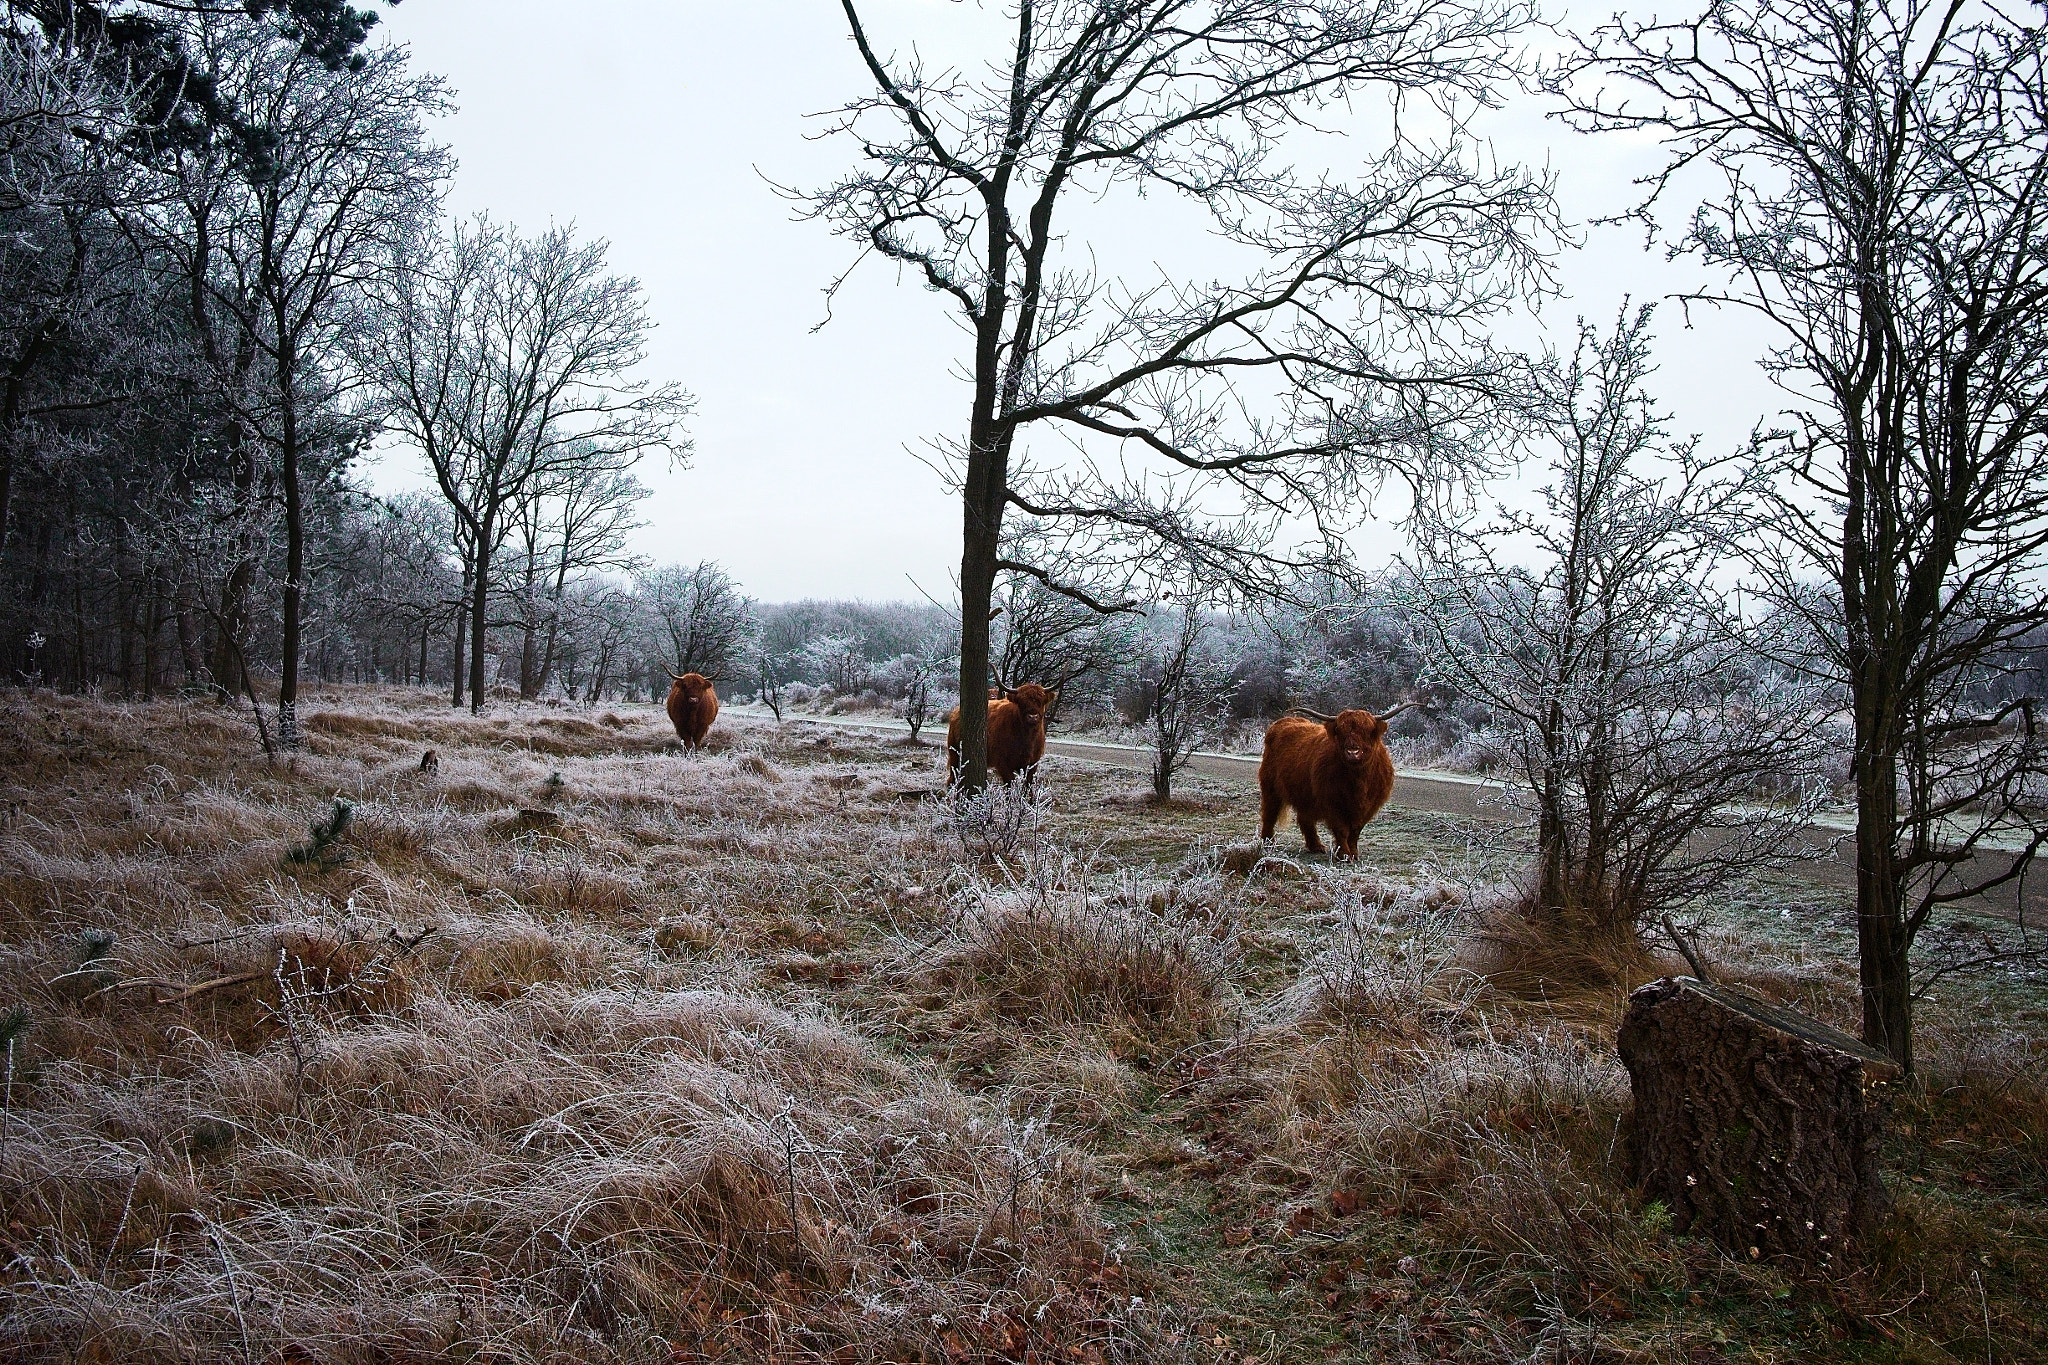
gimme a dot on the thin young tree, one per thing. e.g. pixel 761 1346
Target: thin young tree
pixel 913 678
pixel 1882 202
pixel 1187 692
pixel 1349 343
pixel 506 361
pixel 767 668
pixel 573 523
pixel 917 709
pixel 1649 734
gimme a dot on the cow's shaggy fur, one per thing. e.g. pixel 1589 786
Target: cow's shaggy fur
pixel 692 706
pixel 1335 772
pixel 1016 732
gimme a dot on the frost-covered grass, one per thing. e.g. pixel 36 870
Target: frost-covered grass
pixel 576 1048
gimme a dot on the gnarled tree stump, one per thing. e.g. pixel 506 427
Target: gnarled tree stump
pixel 1754 1125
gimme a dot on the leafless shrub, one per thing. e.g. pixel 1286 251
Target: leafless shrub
pixel 995 824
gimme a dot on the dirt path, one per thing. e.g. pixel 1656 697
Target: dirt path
pixel 1455 794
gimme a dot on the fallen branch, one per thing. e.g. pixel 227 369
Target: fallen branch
pixel 183 990
pixel 1690 949
pixel 203 987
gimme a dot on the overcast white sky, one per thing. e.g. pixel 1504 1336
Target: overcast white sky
pixel 645 123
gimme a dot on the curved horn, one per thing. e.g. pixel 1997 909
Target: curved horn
pixel 673 676
pixel 1314 715
pixel 1393 711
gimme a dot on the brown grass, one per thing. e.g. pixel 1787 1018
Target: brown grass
pixel 1043 952
pixel 1441 1091
pixel 489 1080
pixel 581 1049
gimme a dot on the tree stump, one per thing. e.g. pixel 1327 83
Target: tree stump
pixel 1753 1124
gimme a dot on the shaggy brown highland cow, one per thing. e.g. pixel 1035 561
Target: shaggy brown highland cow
pixel 1016 732
pixel 692 706
pixel 1333 770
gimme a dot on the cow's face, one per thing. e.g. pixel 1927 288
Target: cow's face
pixel 1032 702
pixel 1355 734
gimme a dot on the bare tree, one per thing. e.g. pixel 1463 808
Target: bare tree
pixel 284 228
pixel 701 620
pixel 611 618
pixel 838 661
pixel 1884 205
pixel 394 575
pixel 573 522
pixel 1648 733
pixel 506 360
pixel 1187 691
pixel 1354 346
pixel 768 684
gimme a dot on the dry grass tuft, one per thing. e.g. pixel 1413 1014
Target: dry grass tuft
pixel 1076 1082
pixel 1045 952
pixel 1396 1088
pixel 1533 955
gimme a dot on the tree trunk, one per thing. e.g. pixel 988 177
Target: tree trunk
pixel 294 562
pixel 230 660
pixel 529 658
pixel 985 493
pixel 977 589
pixel 479 620
pixel 460 641
pixel 1753 1125
pixel 549 656
pixel 1883 944
pixel 188 636
pixel 7 443
pixel 152 626
pixel 128 601
pixel 227 645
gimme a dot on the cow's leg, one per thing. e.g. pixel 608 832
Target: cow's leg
pixel 1270 806
pixel 1347 842
pixel 1308 833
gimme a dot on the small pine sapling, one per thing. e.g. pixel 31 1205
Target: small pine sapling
pixel 323 847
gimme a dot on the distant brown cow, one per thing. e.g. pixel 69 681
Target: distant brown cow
pixel 1016 732
pixel 692 706
pixel 1334 770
